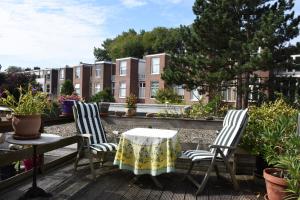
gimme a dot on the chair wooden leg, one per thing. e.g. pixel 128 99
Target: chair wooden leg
pixel 77 158
pixel 217 171
pixel 91 165
pixel 189 171
pixel 205 179
pixel 233 178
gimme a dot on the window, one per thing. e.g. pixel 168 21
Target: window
pixel 142 86
pixel 77 72
pixel 179 90
pixel 48 88
pixel 113 88
pixel 62 74
pixel 97 88
pixel 195 96
pixel 229 94
pixel 154 88
pixel 123 66
pixel 122 92
pixel 48 75
pixel 77 88
pixel 155 65
pixel 98 71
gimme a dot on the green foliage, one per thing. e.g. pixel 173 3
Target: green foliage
pixel 67 88
pixel 14 69
pixel 282 149
pixel 246 36
pixel 167 95
pixel 53 110
pixel 30 101
pixel 103 96
pixel 265 116
pixel 215 107
pixel 291 163
pixel 131 101
pixel 135 44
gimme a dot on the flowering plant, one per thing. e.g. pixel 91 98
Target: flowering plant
pixel 73 97
pixel 131 101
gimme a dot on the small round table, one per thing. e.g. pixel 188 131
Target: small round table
pixel 35 191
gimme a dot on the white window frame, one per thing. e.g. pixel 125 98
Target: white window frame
pixel 97 88
pixel 152 88
pixel 179 91
pixel 155 67
pixel 62 74
pixel 77 72
pixel 123 68
pixel 122 89
pixel 97 71
pixel 77 88
pixel 142 90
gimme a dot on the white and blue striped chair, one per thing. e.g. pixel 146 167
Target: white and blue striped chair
pixel 223 147
pixel 90 128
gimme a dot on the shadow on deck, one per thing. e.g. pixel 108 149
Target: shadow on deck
pixel 113 184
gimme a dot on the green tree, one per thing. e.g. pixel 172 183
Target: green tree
pixel 232 39
pixel 103 96
pixel 67 88
pixel 133 44
pixel 13 69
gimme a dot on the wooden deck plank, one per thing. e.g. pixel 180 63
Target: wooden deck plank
pixel 115 184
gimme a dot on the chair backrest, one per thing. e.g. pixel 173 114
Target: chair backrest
pixel 87 119
pixel 233 127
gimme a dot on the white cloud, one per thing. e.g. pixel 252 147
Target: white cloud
pixel 47 30
pixel 133 3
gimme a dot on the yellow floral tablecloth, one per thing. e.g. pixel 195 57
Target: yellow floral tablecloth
pixel 148 151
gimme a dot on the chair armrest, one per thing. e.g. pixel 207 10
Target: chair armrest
pixel 85 135
pixel 220 146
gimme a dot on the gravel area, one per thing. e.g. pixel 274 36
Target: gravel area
pixel 185 135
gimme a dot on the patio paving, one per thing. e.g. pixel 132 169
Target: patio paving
pixel 113 184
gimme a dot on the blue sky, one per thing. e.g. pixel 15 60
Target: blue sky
pixel 55 33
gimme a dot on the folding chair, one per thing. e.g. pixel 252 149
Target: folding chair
pixel 222 149
pixel 93 135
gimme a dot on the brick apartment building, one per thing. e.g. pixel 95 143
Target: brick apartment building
pixel 65 73
pixel 102 73
pixel 51 80
pixel 81 79
pixel 142 77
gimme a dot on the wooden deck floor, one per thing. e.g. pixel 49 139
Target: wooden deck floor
pixel 116 184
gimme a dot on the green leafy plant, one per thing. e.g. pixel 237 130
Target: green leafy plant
pixel 30 101
pixel 67 88
pixel 131 101
pixel 282 149
pixel 291 163
pixel 264 116
pixel 103 96
pixel 214 107
pixel 167 95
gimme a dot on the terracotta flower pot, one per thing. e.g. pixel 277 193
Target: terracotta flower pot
pixel 275 186
pixel 104 107
pixel 26 127
pixel 130 112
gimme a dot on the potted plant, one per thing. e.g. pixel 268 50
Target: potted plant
pixel 131 101
pixel 67 98
pixel 67 102
pixel 103 98
pixel 259 117
pixel 281 144
pixel 27 110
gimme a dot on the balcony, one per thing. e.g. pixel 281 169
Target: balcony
pixel 58 177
